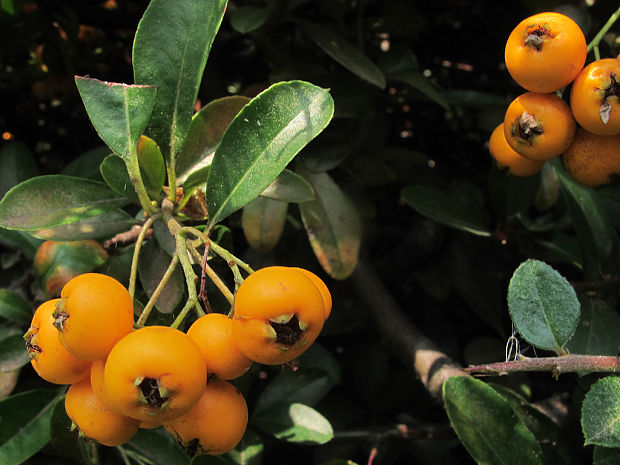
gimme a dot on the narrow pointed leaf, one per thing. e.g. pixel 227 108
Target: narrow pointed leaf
pixel 486 424
pixel 600 413
pixel 94 227
pixel 345 53
pixel 205 133
pixel 170 51
pixel 119 112
pixel 261 141
pixel 543 305
pixel 52 200
pixel 332 224
pixel 114 173
pixel 152 166
pixel 289 187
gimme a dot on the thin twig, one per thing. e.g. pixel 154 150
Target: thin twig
pixel 157 292
pixel 556 365
pixel 134 261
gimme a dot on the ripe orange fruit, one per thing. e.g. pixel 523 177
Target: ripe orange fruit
pixel 545 52
pixel 506 156
pixel 323 289
pixel 595 97
pixel 48 357
pixel 212 333
pixel 216 424
pixel 93 313
pixel 94 420
pixel 279 312
pixel 539 126
pixel 592 159
pixel 155 374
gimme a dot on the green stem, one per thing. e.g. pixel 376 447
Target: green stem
pixel 134 261
pixel 565 364
pixel 213 276
pixel 172 180
pixel 190 276
pixel 133 168
pixel 158 290
pixel 599 36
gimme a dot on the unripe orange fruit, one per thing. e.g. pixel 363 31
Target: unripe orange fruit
pixel 155 374
pixel 212 333
pixel 94 420
pixel 216 424
pixel 93 313
pixel 48 357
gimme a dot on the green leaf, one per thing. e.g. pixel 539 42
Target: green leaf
pixel 13 353
pixel 597 236
pixel 295 423
pixel 114 172
pixel 153 264
pixel 119 112
pixel 64 441
pixel 345 53
pixel 18 164
pixel 606 456
pixel 152 166
pixel 13 307
pixel 52 200
pixel 170 51
pixel 511 195
pixel 249 18
pixel 263 222
pixel 249 451
pixel 261 140
pixel 543 305
pixel 289 187
pixel 25 424
pixel 487 425
pixel 319 358
pixel 205 133
pixel 87 164
pixel 20 240
pixel 304 386
pixel 158 446
pixel 436 204
pixel 332 224
pixel 598 332
pixel 198 178
pixel 94 227
pixel 600 413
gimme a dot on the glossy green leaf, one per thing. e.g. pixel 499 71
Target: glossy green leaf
pixel 332 224
pixel 249 18
pixel 345 53
pixel 205 133
pixel 598 332
pixel 151 268
pixel 295 423
pixel 25 424
pixel 100 226
pixel 263 222
pixel 198 178
pixel 170 51
pixel 114 172
pixel 158 446
pixel 600 413
pixel 13 307
pixel 487 425
pixel 18 164
pixel 543 305
pixel 249 451
pixel 440 206
pixel 119 112
pixel 606 456
pixel 152 166
pixel 52 200
pixel 597 236
pixel 261 141
pixel 164 237
pixel 87 164
pixel 304 386
pixel 13 353
pixel 289 187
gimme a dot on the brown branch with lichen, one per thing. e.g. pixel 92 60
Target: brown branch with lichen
pixel 430 364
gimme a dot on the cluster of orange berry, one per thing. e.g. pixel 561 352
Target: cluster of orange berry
pixel 545 53
pixel 123 379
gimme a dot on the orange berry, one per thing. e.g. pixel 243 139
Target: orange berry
pixel 539 126
pixel 216 424
pixel 545 52
pixel 323 289
pixel 93 313
pixel 94 420
pixel 279 312
pixel 212 333
pixel 155 374
pixel 592 159
pixel 506 156
pixel 48 357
